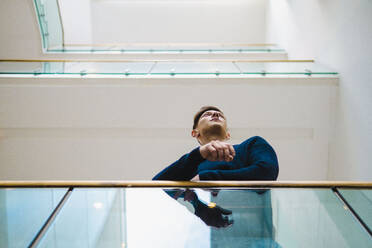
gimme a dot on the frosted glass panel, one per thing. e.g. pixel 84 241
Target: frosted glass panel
pixel 315 218
pixel 153 217
pixel 23 212
pixel 89 218
pixel 361 201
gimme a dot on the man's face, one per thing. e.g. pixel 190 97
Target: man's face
pixel 211 119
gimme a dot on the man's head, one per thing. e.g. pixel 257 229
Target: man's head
pixel 210 124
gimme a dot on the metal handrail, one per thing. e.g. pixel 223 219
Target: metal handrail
pixel 160 60
pixel 189 184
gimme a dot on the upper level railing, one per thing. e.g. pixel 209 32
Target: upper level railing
pixel 158 48
pixel 53 39
pixel 50 23
pixel 164 67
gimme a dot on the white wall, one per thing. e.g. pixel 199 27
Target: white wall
pixel 130 129
pixel 210 21
pixel 336 33
pixel 20 36
pixel 76 128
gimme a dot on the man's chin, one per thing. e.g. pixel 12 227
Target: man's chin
pixel 215 129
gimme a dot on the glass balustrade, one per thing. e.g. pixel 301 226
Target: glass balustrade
pixel 158 49
pixel 192 217
pixel 184 68
pixel 165 68
pixel 23 212
pixel 140 68
pixel 89 218
pixel 361 202
pixel 284 68
pixel 52 33
pixel 50 23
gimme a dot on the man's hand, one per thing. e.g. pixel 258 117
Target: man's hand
pixel 217 151
pixel 213 215
pixel 195 178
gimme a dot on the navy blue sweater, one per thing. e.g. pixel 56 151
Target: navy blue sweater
pixel 255 159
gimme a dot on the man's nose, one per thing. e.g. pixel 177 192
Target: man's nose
pixel 216 114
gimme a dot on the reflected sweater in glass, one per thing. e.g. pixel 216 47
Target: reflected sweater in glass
pixel 254 159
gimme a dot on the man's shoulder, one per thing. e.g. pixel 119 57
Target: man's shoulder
pixel 254 140
pixel 254 144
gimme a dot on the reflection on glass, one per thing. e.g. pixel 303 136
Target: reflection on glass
pixel 156 220
pixel 89 218
pixel 315 218
pixel 153 217
pixel 23 212
pixel 253 223
pixel 210 213
pixel 361 201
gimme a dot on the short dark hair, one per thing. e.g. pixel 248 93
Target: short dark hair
pixel 200 112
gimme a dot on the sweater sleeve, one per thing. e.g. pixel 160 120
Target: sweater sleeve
pixel 183 169
pixel 260 163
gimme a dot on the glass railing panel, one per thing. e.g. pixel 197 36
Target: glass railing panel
pixel 165 49
pixel 124 218
pixel 129 68
pixel 89 218
pixel 226 49
pixel 40 12
pixel 315 218
pixel 82 68
pixel 23 212
pixel 85 49
pixel 21 67
pixel 50 23
pixel 208 68
pixel 165 68
pixel 361 201
pixel 151 217
pixel 302 68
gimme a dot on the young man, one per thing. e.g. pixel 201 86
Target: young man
pixel 215 159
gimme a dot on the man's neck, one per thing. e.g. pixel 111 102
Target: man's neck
pixel 208 139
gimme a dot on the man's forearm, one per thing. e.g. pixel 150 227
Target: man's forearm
pixel 252 172
pixel 183 169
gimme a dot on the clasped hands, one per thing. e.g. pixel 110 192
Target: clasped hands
pixel 217 151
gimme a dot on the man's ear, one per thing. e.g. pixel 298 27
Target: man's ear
pixel 228 135
pixel 195 133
